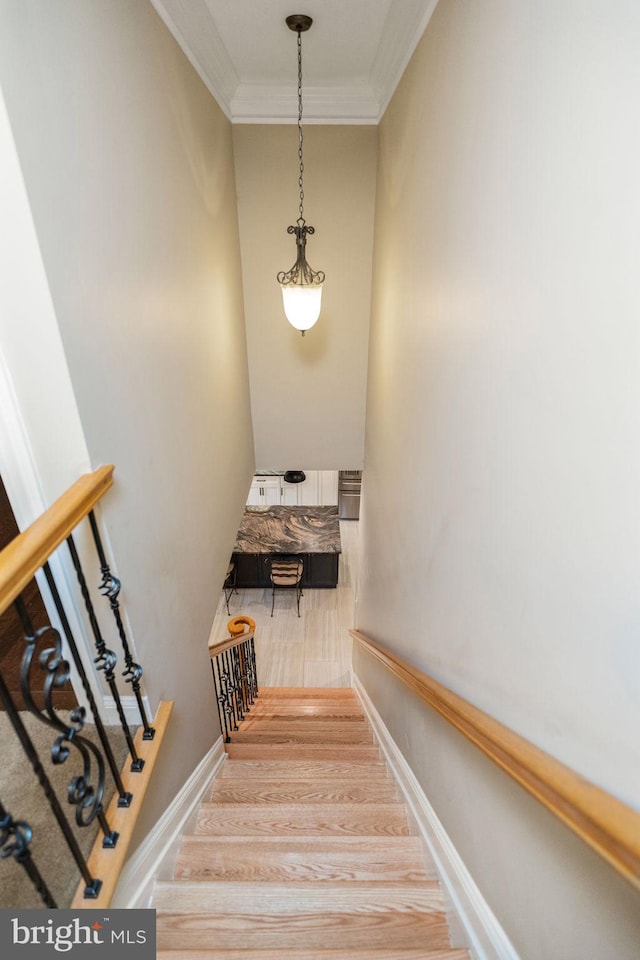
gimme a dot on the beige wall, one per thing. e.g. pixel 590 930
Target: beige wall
pixel 307 393
pixel 500 518
pixel 129 172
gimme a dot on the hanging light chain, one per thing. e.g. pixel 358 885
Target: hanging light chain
pixel 302 312
pixel 300 156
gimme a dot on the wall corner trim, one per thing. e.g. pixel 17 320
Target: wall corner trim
pixel 160 845
pixel 481 929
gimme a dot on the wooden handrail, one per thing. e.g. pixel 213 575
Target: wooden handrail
pixel 24 556
pixel 609 826
pixel 239 634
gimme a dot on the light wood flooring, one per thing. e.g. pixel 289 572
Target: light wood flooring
pixel 313 650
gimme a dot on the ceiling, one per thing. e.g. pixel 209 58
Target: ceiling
pixel 352 57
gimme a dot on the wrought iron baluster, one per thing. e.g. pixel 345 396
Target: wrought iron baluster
pixel 250 661
pixel 92 885
pixel 86 797
pixel 237 681
pixel 110 587
pixel 244 678
pixel 222 714
pixel 254 669
pixel 106 661
pixel 15 837
pixel 231 690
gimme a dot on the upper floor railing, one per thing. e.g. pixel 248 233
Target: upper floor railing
pixel 45 657
pixel 605 823
pixel 235 678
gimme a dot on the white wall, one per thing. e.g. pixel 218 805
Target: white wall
pixel 500 510
pixel 129 172
pixel 30 430
pixel 307 393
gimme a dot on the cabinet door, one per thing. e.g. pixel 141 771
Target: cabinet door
pixel 328 488
pixel 308 490
pixel 290 494
pixel 272 488
pixel 255 495
pixel 265 491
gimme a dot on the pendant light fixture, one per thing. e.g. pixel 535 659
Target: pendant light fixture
pixel 301 286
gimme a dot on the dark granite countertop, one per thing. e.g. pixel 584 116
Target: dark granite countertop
pixel 279 529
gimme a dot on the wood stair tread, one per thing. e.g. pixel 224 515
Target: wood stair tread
pixel 340 932
pixel 303 770
pixel 312 732
pixel 308 859
pixel 382 953
pixel 376 819
pixel 302 850
pixel 275 915
pixel 231 792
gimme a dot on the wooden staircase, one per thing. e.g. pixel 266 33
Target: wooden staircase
pixel 303 850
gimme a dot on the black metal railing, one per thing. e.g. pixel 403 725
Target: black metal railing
pixel 45 667
pixel 235 679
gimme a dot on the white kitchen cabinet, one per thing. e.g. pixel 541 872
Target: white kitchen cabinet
pixel 320 488
pixel 290 494
pixel 265 491
pixel 308 489
pixel 328 483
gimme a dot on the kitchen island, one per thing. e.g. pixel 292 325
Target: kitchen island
pixel 312 533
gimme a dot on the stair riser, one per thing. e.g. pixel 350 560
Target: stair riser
pixel 324 725
pixel 312 709
pixel 323 694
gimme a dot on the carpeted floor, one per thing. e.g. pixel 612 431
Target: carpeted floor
pixel 24 799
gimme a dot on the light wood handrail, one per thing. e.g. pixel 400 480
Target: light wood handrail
pixel 24 556
pixel 239 634
pixel 605 823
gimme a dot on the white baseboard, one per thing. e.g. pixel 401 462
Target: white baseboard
pixel 109 713
pixel 479 927
pixel 160 845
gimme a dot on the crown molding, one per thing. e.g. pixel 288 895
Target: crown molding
pixel 203 48
pixel 192 25
pixel 399 40
pixel 336 105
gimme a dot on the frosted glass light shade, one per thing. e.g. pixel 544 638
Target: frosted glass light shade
pixel 302 304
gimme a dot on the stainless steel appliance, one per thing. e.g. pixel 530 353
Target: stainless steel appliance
pixel 349 483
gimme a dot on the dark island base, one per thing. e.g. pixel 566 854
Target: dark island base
pixel 320 569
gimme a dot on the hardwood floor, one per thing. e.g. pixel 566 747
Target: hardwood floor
pixel 313 650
